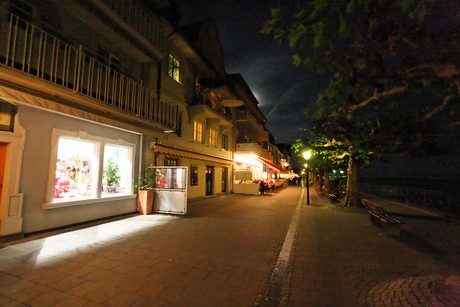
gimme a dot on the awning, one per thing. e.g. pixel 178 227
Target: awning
pixel 188 154
pixel 275 167
pixel 233 102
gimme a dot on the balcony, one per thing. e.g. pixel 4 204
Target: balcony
pixel 35 52
pixel 209 106
pixel 246 122
pixel 253 148
pixel 139 19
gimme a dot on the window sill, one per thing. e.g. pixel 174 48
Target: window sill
pixel 81 202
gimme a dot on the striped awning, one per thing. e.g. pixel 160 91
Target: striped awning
pixel 275 167
pixel 188 154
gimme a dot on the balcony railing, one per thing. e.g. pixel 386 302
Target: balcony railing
pixel 243 147
pixel 140 19
pixel 33 51
pixel 206 99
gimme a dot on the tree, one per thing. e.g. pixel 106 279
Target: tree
pixel 393 68
pixel 326 156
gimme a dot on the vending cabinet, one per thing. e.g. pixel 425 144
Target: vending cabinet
pixel 170 186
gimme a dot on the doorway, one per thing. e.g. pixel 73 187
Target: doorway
pixel 209 180
pixel 224 179
pixel 3 147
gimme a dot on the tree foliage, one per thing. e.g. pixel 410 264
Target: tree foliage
pixel 393 68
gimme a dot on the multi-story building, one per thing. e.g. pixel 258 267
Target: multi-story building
pixel 93 92
pixel 205 139
pixel 256 155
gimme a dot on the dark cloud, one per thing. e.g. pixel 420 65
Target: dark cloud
pixel 282 89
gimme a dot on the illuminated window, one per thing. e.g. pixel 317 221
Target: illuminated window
pixel 212 137
pixel 174 68
pixel 198 131
pixel 76 169
pixel 117 170
pixel 77 174
pixel 224 144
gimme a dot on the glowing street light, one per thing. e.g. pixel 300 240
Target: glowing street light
pixel 307 155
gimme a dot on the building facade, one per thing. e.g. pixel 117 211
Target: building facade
pixel 93 92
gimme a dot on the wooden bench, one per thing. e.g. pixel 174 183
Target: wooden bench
pixel 390 224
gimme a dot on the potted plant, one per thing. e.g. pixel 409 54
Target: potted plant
pixel 145 195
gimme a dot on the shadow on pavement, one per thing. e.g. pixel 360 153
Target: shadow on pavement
pixel 420 244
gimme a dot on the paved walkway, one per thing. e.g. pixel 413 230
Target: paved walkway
pixel 226 251
pixel 341 259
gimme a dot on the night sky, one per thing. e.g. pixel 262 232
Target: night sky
pixel 282 89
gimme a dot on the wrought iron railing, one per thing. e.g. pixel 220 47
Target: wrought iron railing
pixel 29 49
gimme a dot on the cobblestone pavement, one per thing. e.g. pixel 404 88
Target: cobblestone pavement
pixel 342 259
pixel 226 250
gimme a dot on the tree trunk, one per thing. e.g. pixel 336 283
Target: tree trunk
pixel 326 182
pixel 352 198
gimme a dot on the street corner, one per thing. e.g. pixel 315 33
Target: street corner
pixel 431 290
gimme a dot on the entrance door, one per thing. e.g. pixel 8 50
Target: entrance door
pixel 209 179
pixel 2 165
pixel 11 151
pixel 224 179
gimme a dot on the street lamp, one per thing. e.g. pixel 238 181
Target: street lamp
pixel 307 155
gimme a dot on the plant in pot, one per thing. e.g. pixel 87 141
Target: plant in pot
pixel 145 195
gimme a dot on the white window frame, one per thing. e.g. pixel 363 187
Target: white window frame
pixel 129 170
pixel 96 194
pixel 213 137
pixel 198 133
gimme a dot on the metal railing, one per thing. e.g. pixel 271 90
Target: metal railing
pixel 33 51
pixel 439 200
pixel 206 99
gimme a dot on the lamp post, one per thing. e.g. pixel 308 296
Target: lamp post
pixel 307 155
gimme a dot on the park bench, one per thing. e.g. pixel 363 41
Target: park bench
pixel 390 224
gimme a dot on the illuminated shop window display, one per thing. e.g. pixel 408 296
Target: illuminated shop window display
pixel 78 172
pixel 75 169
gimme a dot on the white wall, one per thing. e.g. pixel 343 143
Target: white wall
pixel 35 171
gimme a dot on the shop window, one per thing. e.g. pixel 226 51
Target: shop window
pixel 193 175
pixel 76 169
pixel 117 170
pixel 174 68
pixel 77 174
pixel 213 137
pixel 198 131
pixel 224 140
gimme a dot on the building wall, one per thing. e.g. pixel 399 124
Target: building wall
pixel 36 171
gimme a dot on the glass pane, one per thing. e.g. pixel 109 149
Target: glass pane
pixel 170 178
pixel 161 178
pixel 117 170
pixel 75 168
pixel 178 178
